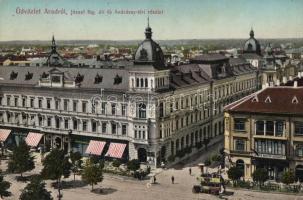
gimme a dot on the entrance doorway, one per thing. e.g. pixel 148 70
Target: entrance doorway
pixel 142 155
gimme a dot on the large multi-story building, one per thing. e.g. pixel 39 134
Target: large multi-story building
pixel 265 130
pixel 138 109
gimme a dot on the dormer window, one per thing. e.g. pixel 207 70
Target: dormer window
pixel 56 79
pixel 98 79
pixel 44 75
pixel 268 100
pixel 79 78
pixel 295 100
pixel 13 75
pixel 28 76
pixel 117 80
pixel 255 99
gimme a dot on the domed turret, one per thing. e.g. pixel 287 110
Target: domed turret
pixel 149 52
pixel 252 45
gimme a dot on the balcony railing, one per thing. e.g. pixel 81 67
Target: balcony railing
pixel 270 156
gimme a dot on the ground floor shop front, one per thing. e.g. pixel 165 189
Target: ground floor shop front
pixel 274 167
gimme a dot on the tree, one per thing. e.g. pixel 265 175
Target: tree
pixel 288 177
pixel 92 173
pixel 4 186
pixel 133 165
pixel 21 159
pixel 260 175
pixel 55 165
pixel 234 173
pixel 35 190
pixel 76 161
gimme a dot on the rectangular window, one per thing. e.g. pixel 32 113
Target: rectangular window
pixel 279 128
pixel 16 101
pixel 270 128
pixel 239 145
pixel 103 108
pixel 66 126
pixel 84 125
pixel 57 104
pixel 124 129
pixel 65 104
pixel 124 110
pixel 8 100
pixel 84 107
pixel 113 109
pixel 299 128
pixel 75 105
pixel 75 124
pixel 94 126
pixel 40 119
pixel 260 127
pixel 40 103
pixel 114 128
pixel 32 102
pixel 49 121
pixel 57 122
pixel 239 124
pixel 48 103
pixel 103 127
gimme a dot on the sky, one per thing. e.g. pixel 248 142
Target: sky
pixel 178 19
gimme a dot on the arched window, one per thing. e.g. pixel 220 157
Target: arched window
pixel 137 82
pixel 141 81
pixel 142 110
pixel 146 82
pixel 240 165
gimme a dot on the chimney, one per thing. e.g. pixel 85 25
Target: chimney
pixel 284 80
pixel 295 84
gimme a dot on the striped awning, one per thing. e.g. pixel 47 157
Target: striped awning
pixel 95 147
pixel 116 150
pixel 33 139
pixel 4 133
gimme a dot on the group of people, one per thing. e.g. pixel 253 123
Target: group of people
pixel 172 178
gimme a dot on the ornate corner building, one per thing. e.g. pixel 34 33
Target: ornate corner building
pixel 136 109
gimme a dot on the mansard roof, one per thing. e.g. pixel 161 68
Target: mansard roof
pixel 70 74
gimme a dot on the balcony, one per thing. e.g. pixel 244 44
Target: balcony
pixel 271 156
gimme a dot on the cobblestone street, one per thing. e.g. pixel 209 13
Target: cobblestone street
pixel 118 188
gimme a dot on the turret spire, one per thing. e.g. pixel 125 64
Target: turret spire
pixel 54 47
pixel 252 34
pixel 148 30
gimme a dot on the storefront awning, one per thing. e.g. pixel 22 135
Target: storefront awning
pixel 33 139
pixel 116 150
pixel 4 133
pixel 95 147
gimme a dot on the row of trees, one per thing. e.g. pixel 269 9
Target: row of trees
pixel 260 175
pixel 56 165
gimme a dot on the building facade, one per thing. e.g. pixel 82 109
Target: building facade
pixel 264 130
pixel 149 111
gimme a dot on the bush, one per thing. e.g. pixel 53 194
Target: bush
pixel 234 173
pixel 216 158
pixel 207 162
pixel 288 177
pixel 171 158
pixel 244 184
pixel 133 165
pixel 260 175
pixel 116 163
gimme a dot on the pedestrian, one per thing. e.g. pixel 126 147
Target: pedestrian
pixel 189 171
pixel 155 179
pixel 172 179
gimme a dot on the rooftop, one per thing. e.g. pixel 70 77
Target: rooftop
pixel 273 100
